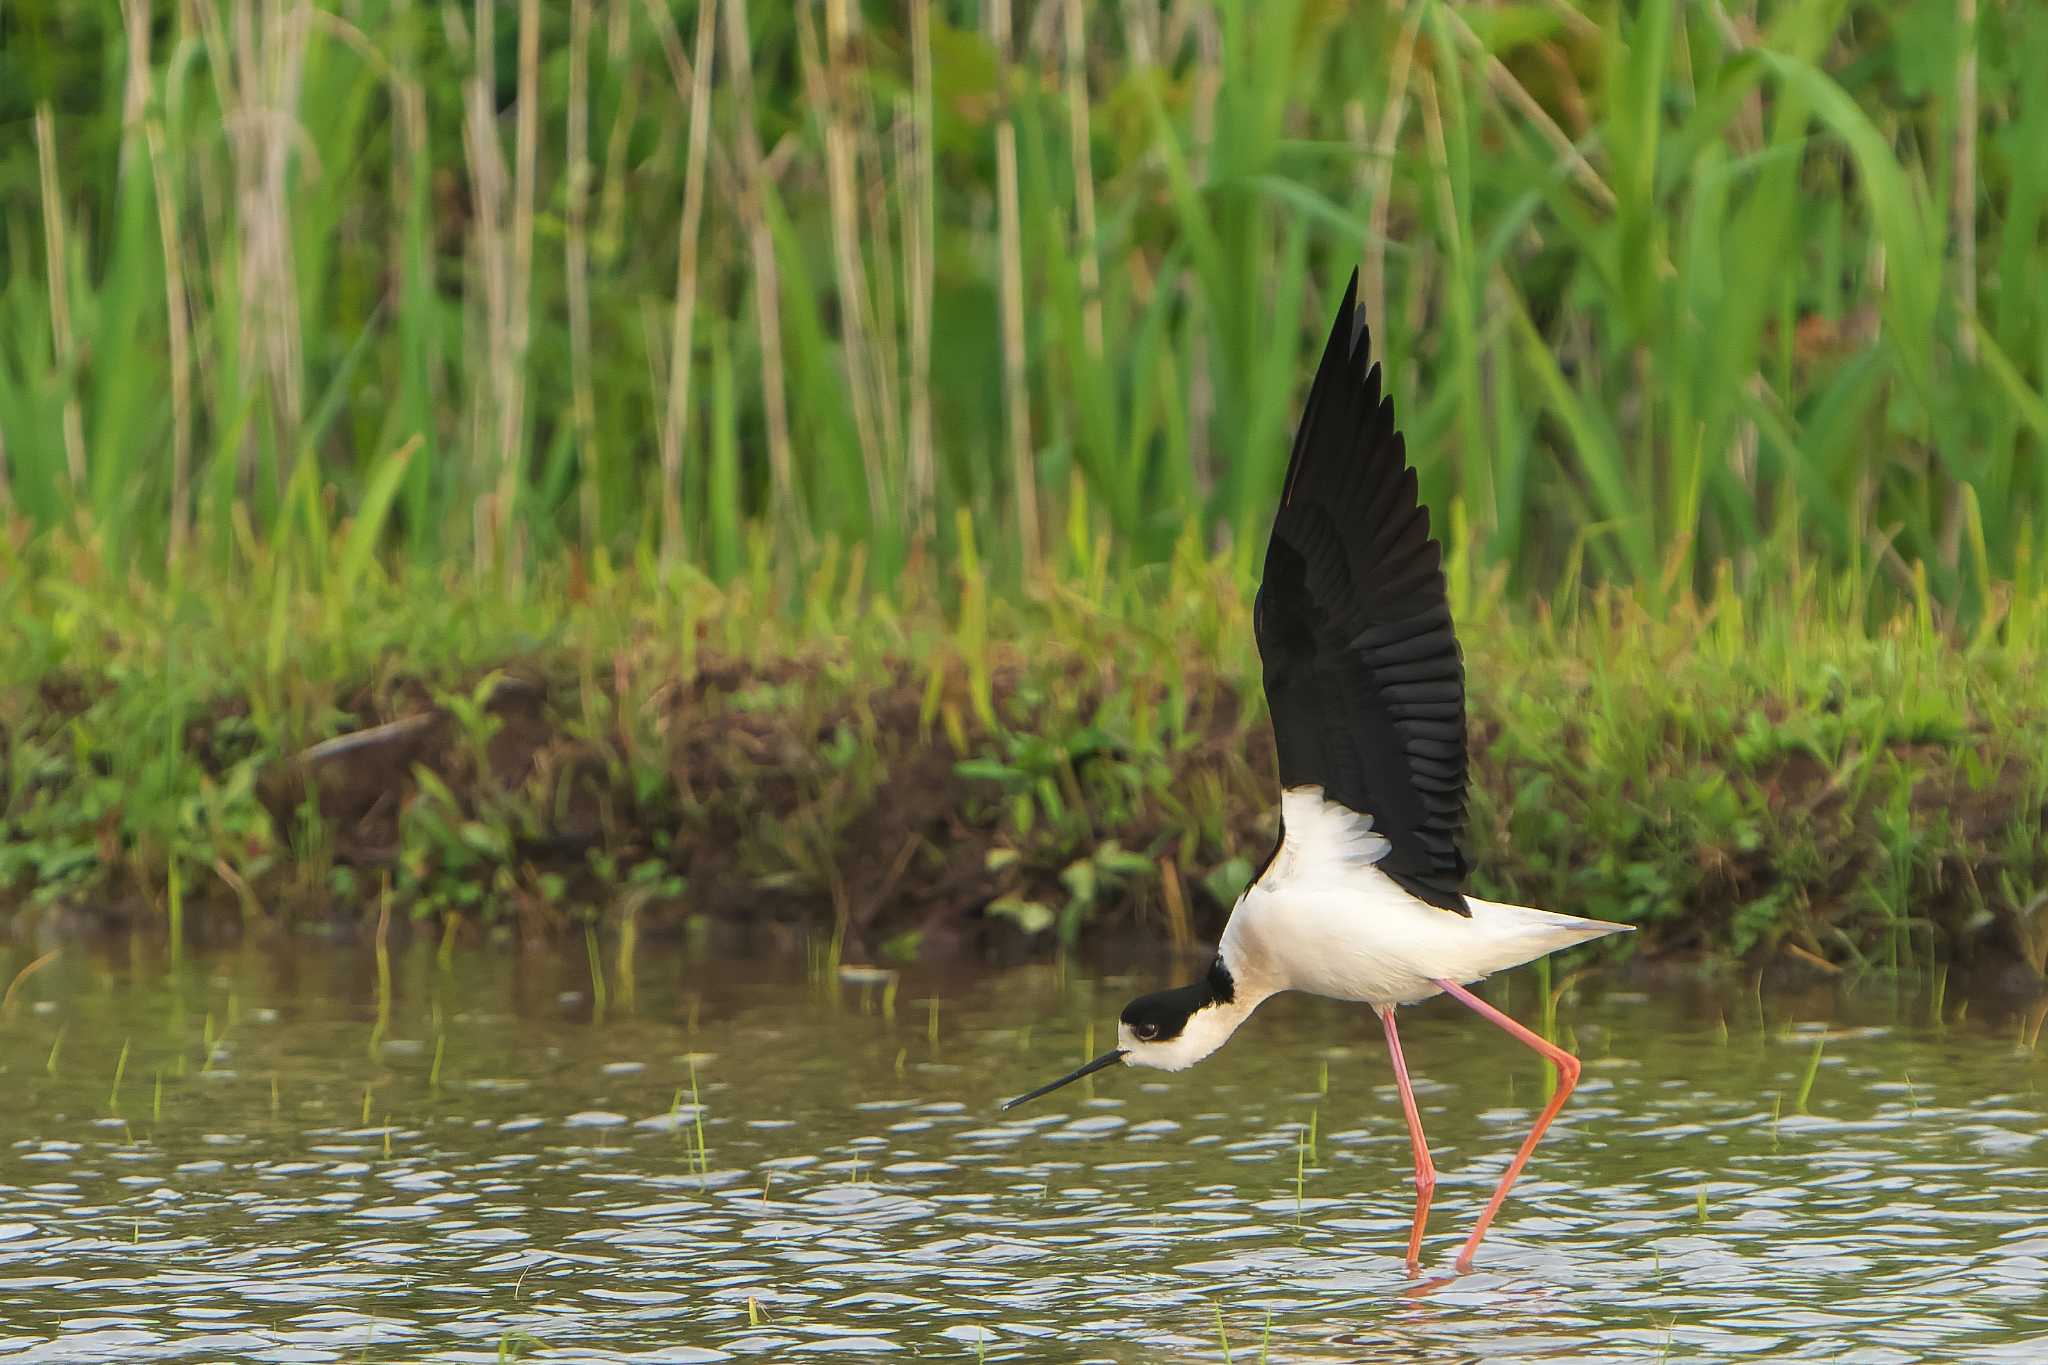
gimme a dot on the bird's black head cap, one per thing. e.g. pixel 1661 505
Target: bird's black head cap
pixel 1169 1030
pixel 1161 1016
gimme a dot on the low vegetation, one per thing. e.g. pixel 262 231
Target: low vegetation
pixel 789 760
pixel 724 462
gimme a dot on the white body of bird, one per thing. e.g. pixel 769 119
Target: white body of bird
pixel 1324 919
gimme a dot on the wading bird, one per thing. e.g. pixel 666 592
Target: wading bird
pixel 1361 898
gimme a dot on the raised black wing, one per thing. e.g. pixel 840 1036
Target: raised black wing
pixel 1362 670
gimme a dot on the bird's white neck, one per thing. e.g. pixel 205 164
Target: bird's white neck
pixel 1252 970
pixel 1251 984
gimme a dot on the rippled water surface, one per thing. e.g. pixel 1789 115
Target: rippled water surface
pixel 249 1158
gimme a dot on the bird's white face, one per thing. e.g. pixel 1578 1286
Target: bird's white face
pixel 1207 1029
pixel 1170 1030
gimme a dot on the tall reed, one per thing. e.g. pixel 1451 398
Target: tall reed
pixel 1660 287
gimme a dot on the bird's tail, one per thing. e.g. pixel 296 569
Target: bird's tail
pixel 1522 933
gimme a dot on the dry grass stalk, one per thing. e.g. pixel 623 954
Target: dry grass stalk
pixel 1208 83
pixel 1084 177
pixel 135 88
pixel 519 287
pixel 831 82
pixel 884 332
pixel 1175 26
pixel 1514 92
pixel 682 68
pixel 1380 170
pixel 1965 190
pixel 56 248
pixel 503 235
pixel 919 227
pixel 1141 32
pixel 1180 931
pixel 1202 23
pixel 753 185
pixel 257 72
pixel 14 986
pixel 576 265
pixel 487 190
pixel 1440 162
pixel 611 204
pixel 682 329
pixel 412 177
pixel 176 308
pixel 1016 398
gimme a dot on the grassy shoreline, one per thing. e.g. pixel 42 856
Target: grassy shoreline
pixel 681 460
pixel 1800 771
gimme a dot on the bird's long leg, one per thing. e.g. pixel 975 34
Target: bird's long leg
pixel 1567 1077
pixel 1425 1169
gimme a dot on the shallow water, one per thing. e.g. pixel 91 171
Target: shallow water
pixel 495 1169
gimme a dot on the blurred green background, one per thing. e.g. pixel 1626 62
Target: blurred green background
pixel 1663 287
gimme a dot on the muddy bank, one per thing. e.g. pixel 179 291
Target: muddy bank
pixel 789 802
pixel 928 810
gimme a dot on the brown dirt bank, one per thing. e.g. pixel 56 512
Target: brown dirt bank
pixel 887 805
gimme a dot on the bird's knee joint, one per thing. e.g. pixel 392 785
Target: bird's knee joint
pixel 1568 1068
pixel 1425 1184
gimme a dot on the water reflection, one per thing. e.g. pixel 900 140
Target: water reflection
pixel 250 1159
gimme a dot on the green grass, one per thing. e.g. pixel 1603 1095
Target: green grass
pixel 1659 284
pixel 1731 773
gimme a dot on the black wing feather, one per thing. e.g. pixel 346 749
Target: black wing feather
pixel 1362 669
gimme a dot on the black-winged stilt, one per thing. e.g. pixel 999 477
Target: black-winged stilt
pixel 1362 898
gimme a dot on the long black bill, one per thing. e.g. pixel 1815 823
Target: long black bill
pixel 1109 1058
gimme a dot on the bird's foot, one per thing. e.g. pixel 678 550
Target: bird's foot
pixel 1426 1287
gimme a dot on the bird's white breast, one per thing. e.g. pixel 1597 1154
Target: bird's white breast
pixel 1326 920
pixel 1370 941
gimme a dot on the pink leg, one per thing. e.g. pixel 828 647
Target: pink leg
pixel 1425 1169
pixel 1567 1077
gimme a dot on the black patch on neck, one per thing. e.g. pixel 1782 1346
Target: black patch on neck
pixel 1163 1015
